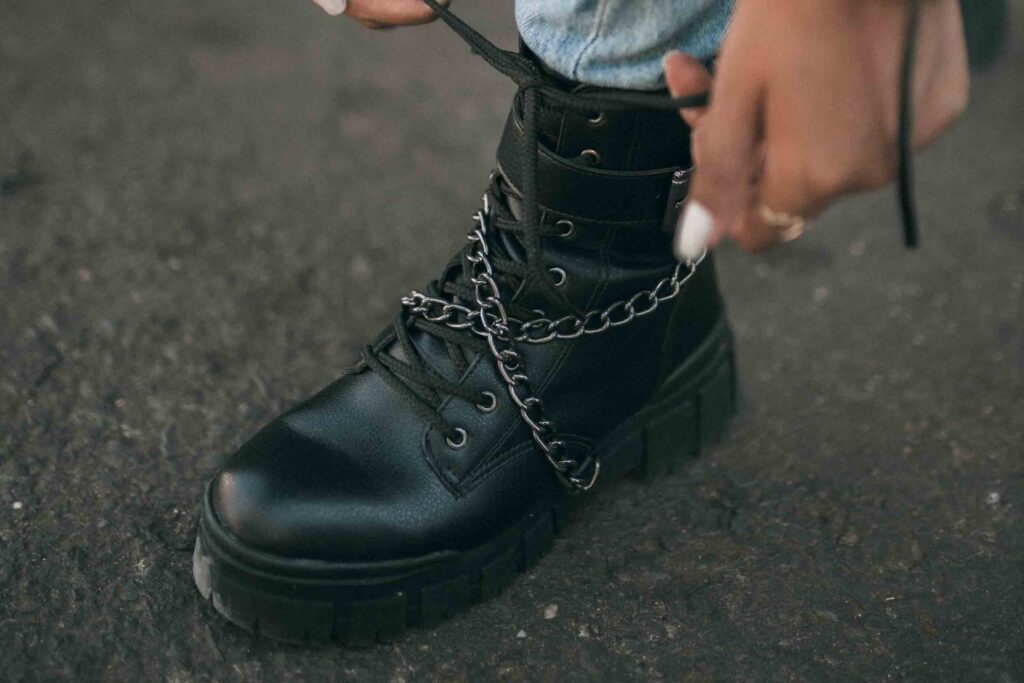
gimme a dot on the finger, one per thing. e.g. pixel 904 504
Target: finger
pixel 391 12
pixel 684 76
pixel 726 146
pixel 786 195
pixel 941 76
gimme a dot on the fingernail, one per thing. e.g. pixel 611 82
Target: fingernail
pixel 333 7
pixel 695 227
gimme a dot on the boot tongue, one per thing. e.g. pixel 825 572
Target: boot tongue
pixel 509 242
pixel 532 292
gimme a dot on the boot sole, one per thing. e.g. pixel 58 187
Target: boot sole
pixel 362 603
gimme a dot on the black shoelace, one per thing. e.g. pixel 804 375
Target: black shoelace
pixel 407 371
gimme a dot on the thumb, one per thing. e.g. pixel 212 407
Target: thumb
pixel 725 149
pixel 684 76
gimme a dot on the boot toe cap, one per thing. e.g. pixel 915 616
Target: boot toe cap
pixel 286 494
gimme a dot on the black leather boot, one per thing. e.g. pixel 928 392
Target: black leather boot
pixel 561 348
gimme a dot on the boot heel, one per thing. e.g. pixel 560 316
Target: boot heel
pixel 693 413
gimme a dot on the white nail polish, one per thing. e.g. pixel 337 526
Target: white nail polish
pixel 333 7
pixel 695 227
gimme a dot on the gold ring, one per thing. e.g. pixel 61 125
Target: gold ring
pixel 790 226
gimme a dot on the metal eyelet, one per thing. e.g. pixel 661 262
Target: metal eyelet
pixel 596 119
pixel 590 157
pixel 559 275
pixel 567 226
pixel 489 403
pixel 463 438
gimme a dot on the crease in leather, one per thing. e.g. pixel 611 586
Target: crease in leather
pixel 518 451
pixel 588 223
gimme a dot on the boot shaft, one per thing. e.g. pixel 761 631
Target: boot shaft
pixel 615 181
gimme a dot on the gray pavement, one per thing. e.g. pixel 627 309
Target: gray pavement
pixel 208 207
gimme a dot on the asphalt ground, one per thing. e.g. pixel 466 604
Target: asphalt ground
pixel 208 207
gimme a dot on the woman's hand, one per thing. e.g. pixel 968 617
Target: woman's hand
pixel 382 13
pixel 804 108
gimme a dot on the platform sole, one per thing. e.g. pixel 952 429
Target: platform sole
pixel 362 603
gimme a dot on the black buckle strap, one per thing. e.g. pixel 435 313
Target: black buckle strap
pixel 567 187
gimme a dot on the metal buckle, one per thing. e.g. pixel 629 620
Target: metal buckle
pixel 579 479
pixel 677 192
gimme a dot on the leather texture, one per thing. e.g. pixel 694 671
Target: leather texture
pixel 353 474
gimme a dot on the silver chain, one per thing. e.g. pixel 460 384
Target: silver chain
pixel 490 320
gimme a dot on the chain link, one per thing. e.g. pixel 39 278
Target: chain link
pixel 490 320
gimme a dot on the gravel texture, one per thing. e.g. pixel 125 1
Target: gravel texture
pixel 207 207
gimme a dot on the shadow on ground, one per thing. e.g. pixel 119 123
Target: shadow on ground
pixel 207 207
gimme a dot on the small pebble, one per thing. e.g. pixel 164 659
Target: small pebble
pixel 17 505
pixel 361 268
pixel 849 539
pixel 916 551
pixel 551 611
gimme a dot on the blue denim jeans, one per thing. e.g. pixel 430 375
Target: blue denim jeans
pixel 620 43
